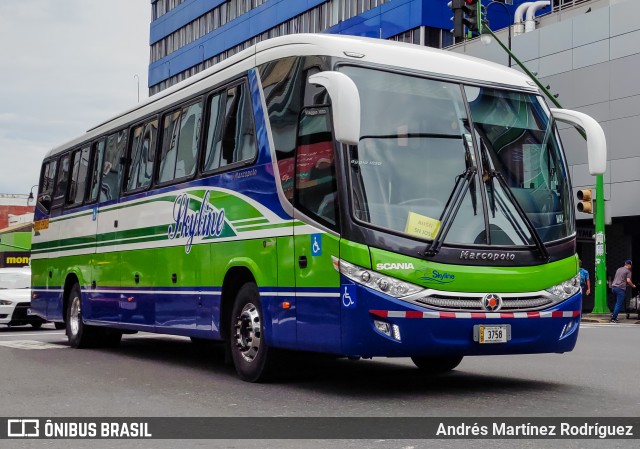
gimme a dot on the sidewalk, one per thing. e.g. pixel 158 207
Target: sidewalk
pixel 604 318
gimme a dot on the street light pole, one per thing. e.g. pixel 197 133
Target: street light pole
pixel 31 197
pixel 486 8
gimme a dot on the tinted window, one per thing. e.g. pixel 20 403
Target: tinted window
pixel 48 176
pixel 180 139
pixel 316 186
pixel 238 138
pixel 212 154
pixel 112 166
pixel 63 176
pixel 142 155
pixel 79 170
pixel 96 164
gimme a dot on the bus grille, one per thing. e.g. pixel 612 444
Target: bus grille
pixel 471 303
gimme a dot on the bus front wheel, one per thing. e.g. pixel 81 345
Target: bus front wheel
pixel 436 365
pixel 249 350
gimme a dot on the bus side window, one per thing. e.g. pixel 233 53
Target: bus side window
pixel 188 141
pixel 112 166
pixel 142 156
pixel 171 130
pixel 96 165
pixel 231 133
pixel 61 180
pixel 238 139
pixel 46 186
pixel 316 186
pixel 80 166
pixel 212 152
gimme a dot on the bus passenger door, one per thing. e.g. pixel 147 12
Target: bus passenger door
pixel 317 281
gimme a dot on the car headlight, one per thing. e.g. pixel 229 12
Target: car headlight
pixel 567 288
pixel 376 281
pixel 4 302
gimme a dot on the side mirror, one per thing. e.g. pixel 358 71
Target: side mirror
pixel 44 203
pixel 345 101
pixel 596 140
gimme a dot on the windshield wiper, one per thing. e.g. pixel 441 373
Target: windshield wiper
pixel 544 254
pixel 451 209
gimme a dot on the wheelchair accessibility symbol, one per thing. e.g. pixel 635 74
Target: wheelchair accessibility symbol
pixel 349 296
pixel 316 244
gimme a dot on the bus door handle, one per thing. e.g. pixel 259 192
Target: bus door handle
pixel 302 261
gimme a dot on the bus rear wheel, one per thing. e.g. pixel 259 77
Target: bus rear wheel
pixel 79 334
pixel 436 365
pixel 249 350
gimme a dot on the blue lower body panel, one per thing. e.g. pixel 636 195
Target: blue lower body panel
pixel 427 332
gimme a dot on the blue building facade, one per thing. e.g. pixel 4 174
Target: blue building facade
pixel 188 36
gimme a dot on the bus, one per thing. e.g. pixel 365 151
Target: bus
pixel 319 193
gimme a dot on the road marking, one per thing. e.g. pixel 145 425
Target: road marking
pixel 30 334
pixel 30 344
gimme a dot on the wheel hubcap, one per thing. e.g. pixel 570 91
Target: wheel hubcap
pixel 74 316
pixel 247 332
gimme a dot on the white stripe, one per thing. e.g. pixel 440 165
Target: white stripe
pixel 156 292
pixel 463 315
pixel 303 295
pixel 521 315
pixel 430 314
pixel 546 314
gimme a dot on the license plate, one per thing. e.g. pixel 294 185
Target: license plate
pixel 492 334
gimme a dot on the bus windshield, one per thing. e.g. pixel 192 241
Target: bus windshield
pixel 419 145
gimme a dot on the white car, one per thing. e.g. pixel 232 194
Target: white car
pixel 15 297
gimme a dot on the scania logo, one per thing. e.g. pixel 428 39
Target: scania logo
pixel 491 302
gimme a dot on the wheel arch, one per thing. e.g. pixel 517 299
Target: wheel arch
pixel 235 277
pixel 70 280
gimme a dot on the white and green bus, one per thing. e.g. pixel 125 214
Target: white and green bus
pixel 322 193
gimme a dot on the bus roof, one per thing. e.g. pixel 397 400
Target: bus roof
pixel 378 51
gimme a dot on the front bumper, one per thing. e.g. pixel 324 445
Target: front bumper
pixel 428 332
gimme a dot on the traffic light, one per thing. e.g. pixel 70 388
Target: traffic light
pixel 472 15
pixel 466 13
pixel 585 201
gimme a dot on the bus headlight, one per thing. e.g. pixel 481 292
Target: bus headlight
pixel 377 281
pixel 567 288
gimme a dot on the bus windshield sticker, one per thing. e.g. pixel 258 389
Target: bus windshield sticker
pixel 190 222
pixel 422 226
pixel 316 245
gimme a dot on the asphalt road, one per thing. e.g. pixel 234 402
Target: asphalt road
pixel 151 375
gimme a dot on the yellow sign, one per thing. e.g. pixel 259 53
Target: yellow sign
pixel 422 226
pixel 40 225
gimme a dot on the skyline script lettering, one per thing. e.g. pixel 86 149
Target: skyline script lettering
pixel 203 222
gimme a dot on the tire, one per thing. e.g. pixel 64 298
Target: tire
pixel 60 326
pixel 37 325
pixel 79 334
pixel 251 356
pixel 436 365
